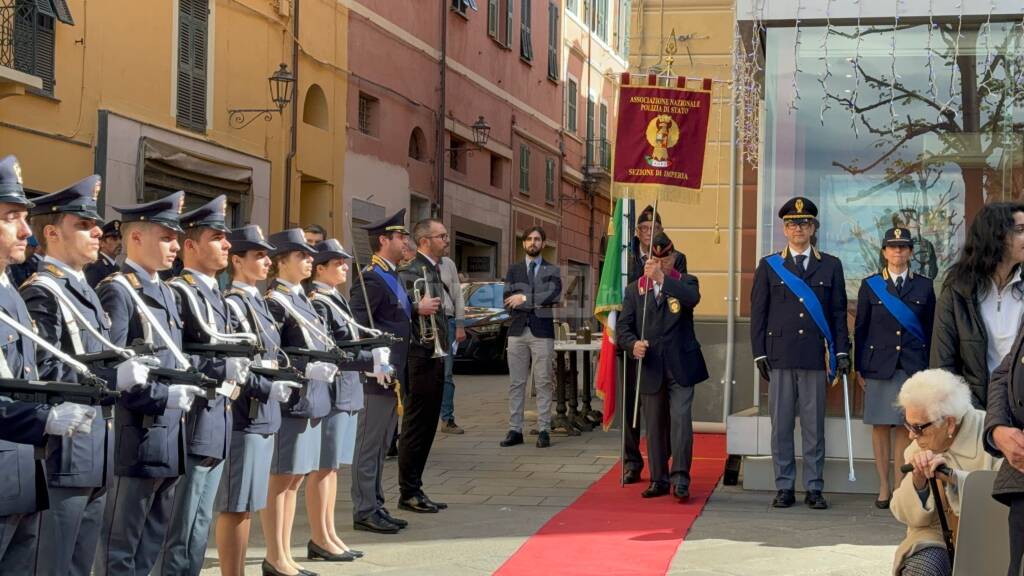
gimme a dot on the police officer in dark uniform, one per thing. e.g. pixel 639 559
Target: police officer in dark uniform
pixel 892 338
pixel 148 418
pixel 379 299
pixel 24 425
pixel 672 364
pixel 20 272
pixel 110 248
pixel 204 252
pixel 795 290
pixel 68 313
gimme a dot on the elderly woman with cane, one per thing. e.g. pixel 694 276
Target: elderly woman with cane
pixel 947 444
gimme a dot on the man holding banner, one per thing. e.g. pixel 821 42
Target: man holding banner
pixel 800 341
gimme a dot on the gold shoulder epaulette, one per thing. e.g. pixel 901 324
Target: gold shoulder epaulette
pixel 283 289
pixel 817 254
pixel 53 270
pixel 188 278
pixel 234 292
pixel 28 281
pixel 133 280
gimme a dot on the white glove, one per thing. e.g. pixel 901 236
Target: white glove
pixel 67 419
pixel 181 396
pixel 383 378
pixel 321 371
pixel 281 390
pixel 135 371
pixel 381 359
pixel 237 369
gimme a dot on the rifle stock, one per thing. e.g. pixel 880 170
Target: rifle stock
pixel 190 376
pixel 53 393
pixel 334 356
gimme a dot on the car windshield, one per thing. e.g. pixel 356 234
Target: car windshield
pixel 485 296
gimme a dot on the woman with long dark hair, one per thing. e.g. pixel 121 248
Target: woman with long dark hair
pixel 982 299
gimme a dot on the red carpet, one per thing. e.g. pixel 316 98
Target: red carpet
pixel 611 530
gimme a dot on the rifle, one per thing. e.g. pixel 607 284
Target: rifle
pixel 90 393
pixel 335 355
pixel 224 349
pixel 112 356
pixel 384 340
pixel 189 376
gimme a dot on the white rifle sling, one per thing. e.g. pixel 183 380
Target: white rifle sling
pixel 208 326
pixel 147 315
pixel 308 328
pixel 324 298
pixel 70 319
pixel 42 343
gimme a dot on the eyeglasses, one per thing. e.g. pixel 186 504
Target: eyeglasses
pixel 917 429
pixel 441 236
pixel 792 225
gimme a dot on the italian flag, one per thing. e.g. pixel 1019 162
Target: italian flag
pixel 609 302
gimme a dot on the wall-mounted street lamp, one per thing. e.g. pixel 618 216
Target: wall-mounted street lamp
pixel 481 133
pixel 282 85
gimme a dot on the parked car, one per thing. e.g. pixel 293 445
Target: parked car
pixel 486 324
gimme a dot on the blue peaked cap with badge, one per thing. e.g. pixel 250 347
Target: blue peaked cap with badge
pixel 798 209
pixel 165 211
pixel 209 215
pixel 12 190
pixel 78 199
pixel 898 237
pixel 290 240
pixel 248 238
pixel 328 250
pixel 112 228
pixel 394 223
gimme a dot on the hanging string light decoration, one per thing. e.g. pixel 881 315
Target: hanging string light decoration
pixel 795 85
pixel 892 71
pixel 988 45
pixel 928 49
pixel 954 66
pixel 823 80
pixel 855 65
pixel 747 87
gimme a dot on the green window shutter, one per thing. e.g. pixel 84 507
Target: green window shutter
pixel 549 180
pixel 602 19
pixel 193 32
pixel 525 37
pixel 572 113
pixel 492 18
pixel 524 169
pixel 509 18
pixel 553 33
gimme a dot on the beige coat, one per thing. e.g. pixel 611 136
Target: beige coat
pixel 965 455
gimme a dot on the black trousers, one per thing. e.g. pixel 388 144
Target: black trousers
pixel 421 400
pixel 668 415
pixel 1016 535
pixel 632 459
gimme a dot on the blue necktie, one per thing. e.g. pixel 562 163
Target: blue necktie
pixel 799 259
pixel 533 271
pixel 899 284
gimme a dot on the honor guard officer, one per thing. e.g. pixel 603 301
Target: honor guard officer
pixel 379 300
pixel 23 424
pixel 800 343
pixel 673 364
pixel 68 313
pixel 892 339
pixel 204 314
pixel 150 453
pixel 110 249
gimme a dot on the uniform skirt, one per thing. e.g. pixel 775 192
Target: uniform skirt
pixel 339 441
pixel 297 446
pixel 244 485
pixel 880 408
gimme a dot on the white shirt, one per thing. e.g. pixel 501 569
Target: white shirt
pixel 247 288
pixel 110 261
pixel 210 282
pixel 429 259
pixel 530 260
pixel 893 276
pixel 794 254
pixel 65 268
pixel 1001 313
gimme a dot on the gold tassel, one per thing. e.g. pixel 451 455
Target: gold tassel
pixel 398 396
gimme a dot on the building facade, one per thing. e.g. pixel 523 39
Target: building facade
pixel 142 94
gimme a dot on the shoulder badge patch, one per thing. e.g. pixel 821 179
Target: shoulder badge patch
pixel 28 281
pixel 283 289
pixel 674 305
pixel 189 279
pixel 54 271
pixel 133 280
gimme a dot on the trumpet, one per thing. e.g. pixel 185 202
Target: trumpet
pixel 421 289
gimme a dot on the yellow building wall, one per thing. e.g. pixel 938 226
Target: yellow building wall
pixel 120 56
pixel 699 230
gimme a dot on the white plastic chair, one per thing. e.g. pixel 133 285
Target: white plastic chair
pixel 982 542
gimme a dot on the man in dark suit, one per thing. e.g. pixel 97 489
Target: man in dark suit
pixel 790 348
pixel 1004 438
pixel 532 290
pixel 648 225
pixel 656 325
pixel 110 248
pixel 424 384
pixel 380 300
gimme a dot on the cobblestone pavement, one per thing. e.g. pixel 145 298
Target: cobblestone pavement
pixel 498 497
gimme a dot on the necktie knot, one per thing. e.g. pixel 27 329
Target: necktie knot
pixel 533 270
pixel 800 259
pixel 899 282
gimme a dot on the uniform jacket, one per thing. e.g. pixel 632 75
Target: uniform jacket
pixel 315 399
pixel 409 273
pixel 963 456
pixel 78 461
pixel 254 317
pixel 208 423
pixel 960 341
pixel 22 424
pixel 542 296
pixel 780 327
pixel 150 437
pixel 1006 408
pixel 347 388
pixel 881 344
pixel 674 352
pixel 98 270
pixel 636 261
pixel 385 307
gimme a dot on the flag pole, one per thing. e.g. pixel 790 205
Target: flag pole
pixel 624 255
pixel 643 316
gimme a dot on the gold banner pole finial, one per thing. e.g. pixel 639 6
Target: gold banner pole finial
pixel 670 53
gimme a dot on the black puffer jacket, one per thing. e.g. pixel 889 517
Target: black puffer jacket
pixel 960 342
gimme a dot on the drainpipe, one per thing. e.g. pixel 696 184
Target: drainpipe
pixel 441 111
pixel 293 146
pixel 730 330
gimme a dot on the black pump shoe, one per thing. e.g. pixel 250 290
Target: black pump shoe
pixel 316 552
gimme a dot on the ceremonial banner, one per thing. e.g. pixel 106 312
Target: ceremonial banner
pixel 661 136
pixel 609 302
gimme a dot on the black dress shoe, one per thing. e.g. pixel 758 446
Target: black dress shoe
pixel 304 572
pixel 417 504
pixel 815 501
pixel 655 489
pixel 355 553
pixel 317 552
pixel 269 570
pixel 630 476
pixel 543 439
pixel 440 505
pixel 784 499
pixel 681 492
pixel 396 521
pixel 511 439
pixel 375 523
pixel 882 504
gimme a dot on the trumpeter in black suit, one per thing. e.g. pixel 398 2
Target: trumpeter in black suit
pixel 673 363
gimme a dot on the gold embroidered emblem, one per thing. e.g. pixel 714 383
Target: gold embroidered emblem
pixel 898 233
pixel 674 305
pixel 181 204
pixel 799 205
pixel 188 278
pixel 133 280
pixel 17 172
pixel 259 233
pixel 96 189
pixel 54 271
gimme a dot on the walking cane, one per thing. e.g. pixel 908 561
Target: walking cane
pixel 643 320
pixel 849 435
pixel 933 485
